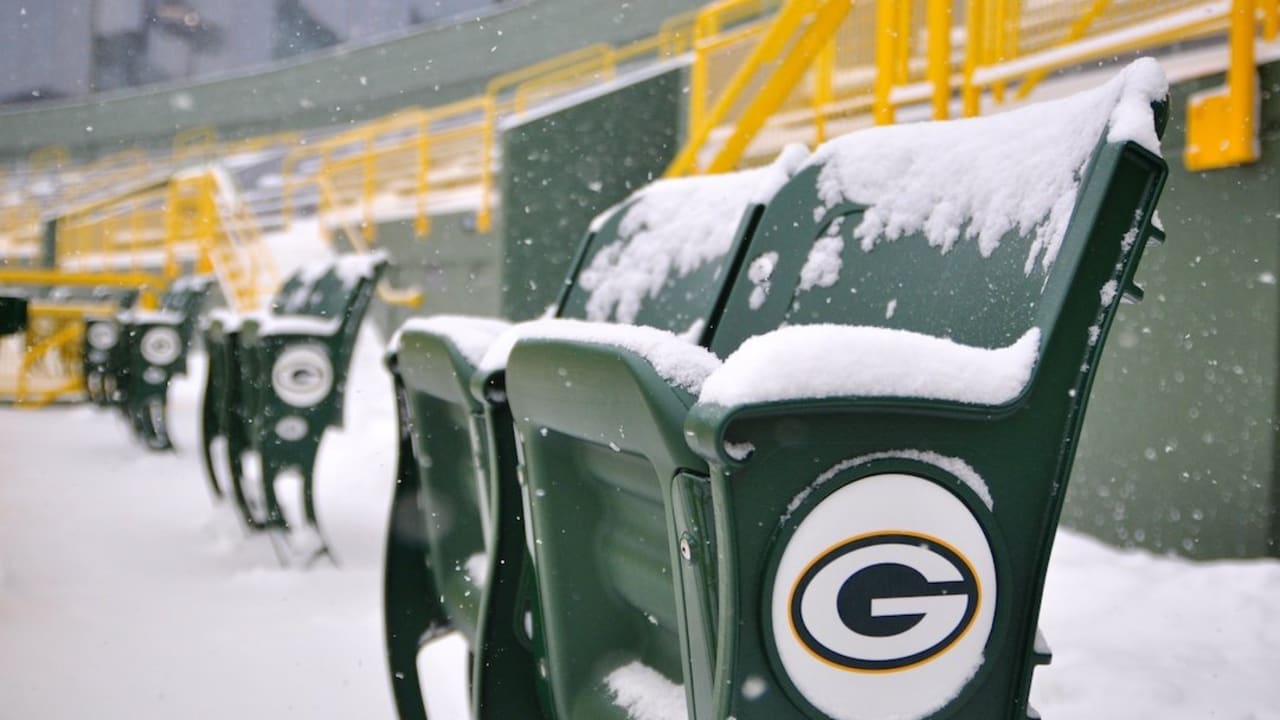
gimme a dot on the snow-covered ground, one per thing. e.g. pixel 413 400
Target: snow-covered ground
pixel 125 593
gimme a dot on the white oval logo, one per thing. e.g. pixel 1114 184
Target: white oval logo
pixel 302 375
pixel 103 335
pixel 161 345
pixel 884 599
pixel 291 428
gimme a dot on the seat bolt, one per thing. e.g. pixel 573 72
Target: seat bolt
pixel 686 551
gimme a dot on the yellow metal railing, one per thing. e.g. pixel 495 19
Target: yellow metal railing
pixel 407 297
pixel 424 152
pixel 762 72
pixel 45 364
pixel 933 53
pixel 777 54
pixel 1020 42
pixel 187 220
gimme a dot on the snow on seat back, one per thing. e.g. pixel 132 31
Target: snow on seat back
pixel 948 229
pixel 324 288
pixel 295 291
pixel 662 257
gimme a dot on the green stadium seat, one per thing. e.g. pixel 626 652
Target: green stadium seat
pixel 131 357
pixel 851 516
pixel 456 557
pixel 277 382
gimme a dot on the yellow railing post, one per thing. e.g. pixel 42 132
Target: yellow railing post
pixel 997 35
pixel 1222 126
pixel 1270 19
pixel 938 32
pixel 784 26
pixel 1242 79
pixel 826 18
pixel 902 43
pixel 369 188
pixel 971 94
pixel 886 41
pixel 422 223
pixel 484 216
pixel 823 74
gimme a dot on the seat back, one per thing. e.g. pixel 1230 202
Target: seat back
pixel 664 257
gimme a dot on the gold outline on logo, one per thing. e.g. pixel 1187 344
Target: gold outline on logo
pixel 977 581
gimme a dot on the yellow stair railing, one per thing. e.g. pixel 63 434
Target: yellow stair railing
pixel 1021 42
pixel 762 72
pixel 430 152
pixel 787 48
pixel 411 298
pixel 44 364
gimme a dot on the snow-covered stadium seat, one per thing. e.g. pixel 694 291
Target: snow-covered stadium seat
pixel 131 357
pixel 277 381
pixel 662 258
pixel 845 508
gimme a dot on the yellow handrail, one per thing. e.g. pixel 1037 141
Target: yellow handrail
pixel 783 61
pixel 1007 47
pixel 68 338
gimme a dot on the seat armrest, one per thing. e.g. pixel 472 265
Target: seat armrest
pixel 629 398
pixel 439 354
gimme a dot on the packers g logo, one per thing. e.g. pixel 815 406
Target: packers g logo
pixel 302 375
pixel 161 345
pixel 103 335
pixel 884 602
pixel 883 598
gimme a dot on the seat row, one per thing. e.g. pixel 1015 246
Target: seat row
pixel 793 442
pixel 276 383
pixel 131 356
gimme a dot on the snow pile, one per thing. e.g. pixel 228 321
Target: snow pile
pixel 646 694
pixel 199 283
pixel 760 273
pixel 1136 635
pixel 271 324
pixel 127 592
pixel 353 268
pixel 821 361
pixel 157 317
pixel 675 225
pixel 472 336
pixel 107 552
pixel 678 362
pixel 987 176
pixel 822 266
pixel 962 470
